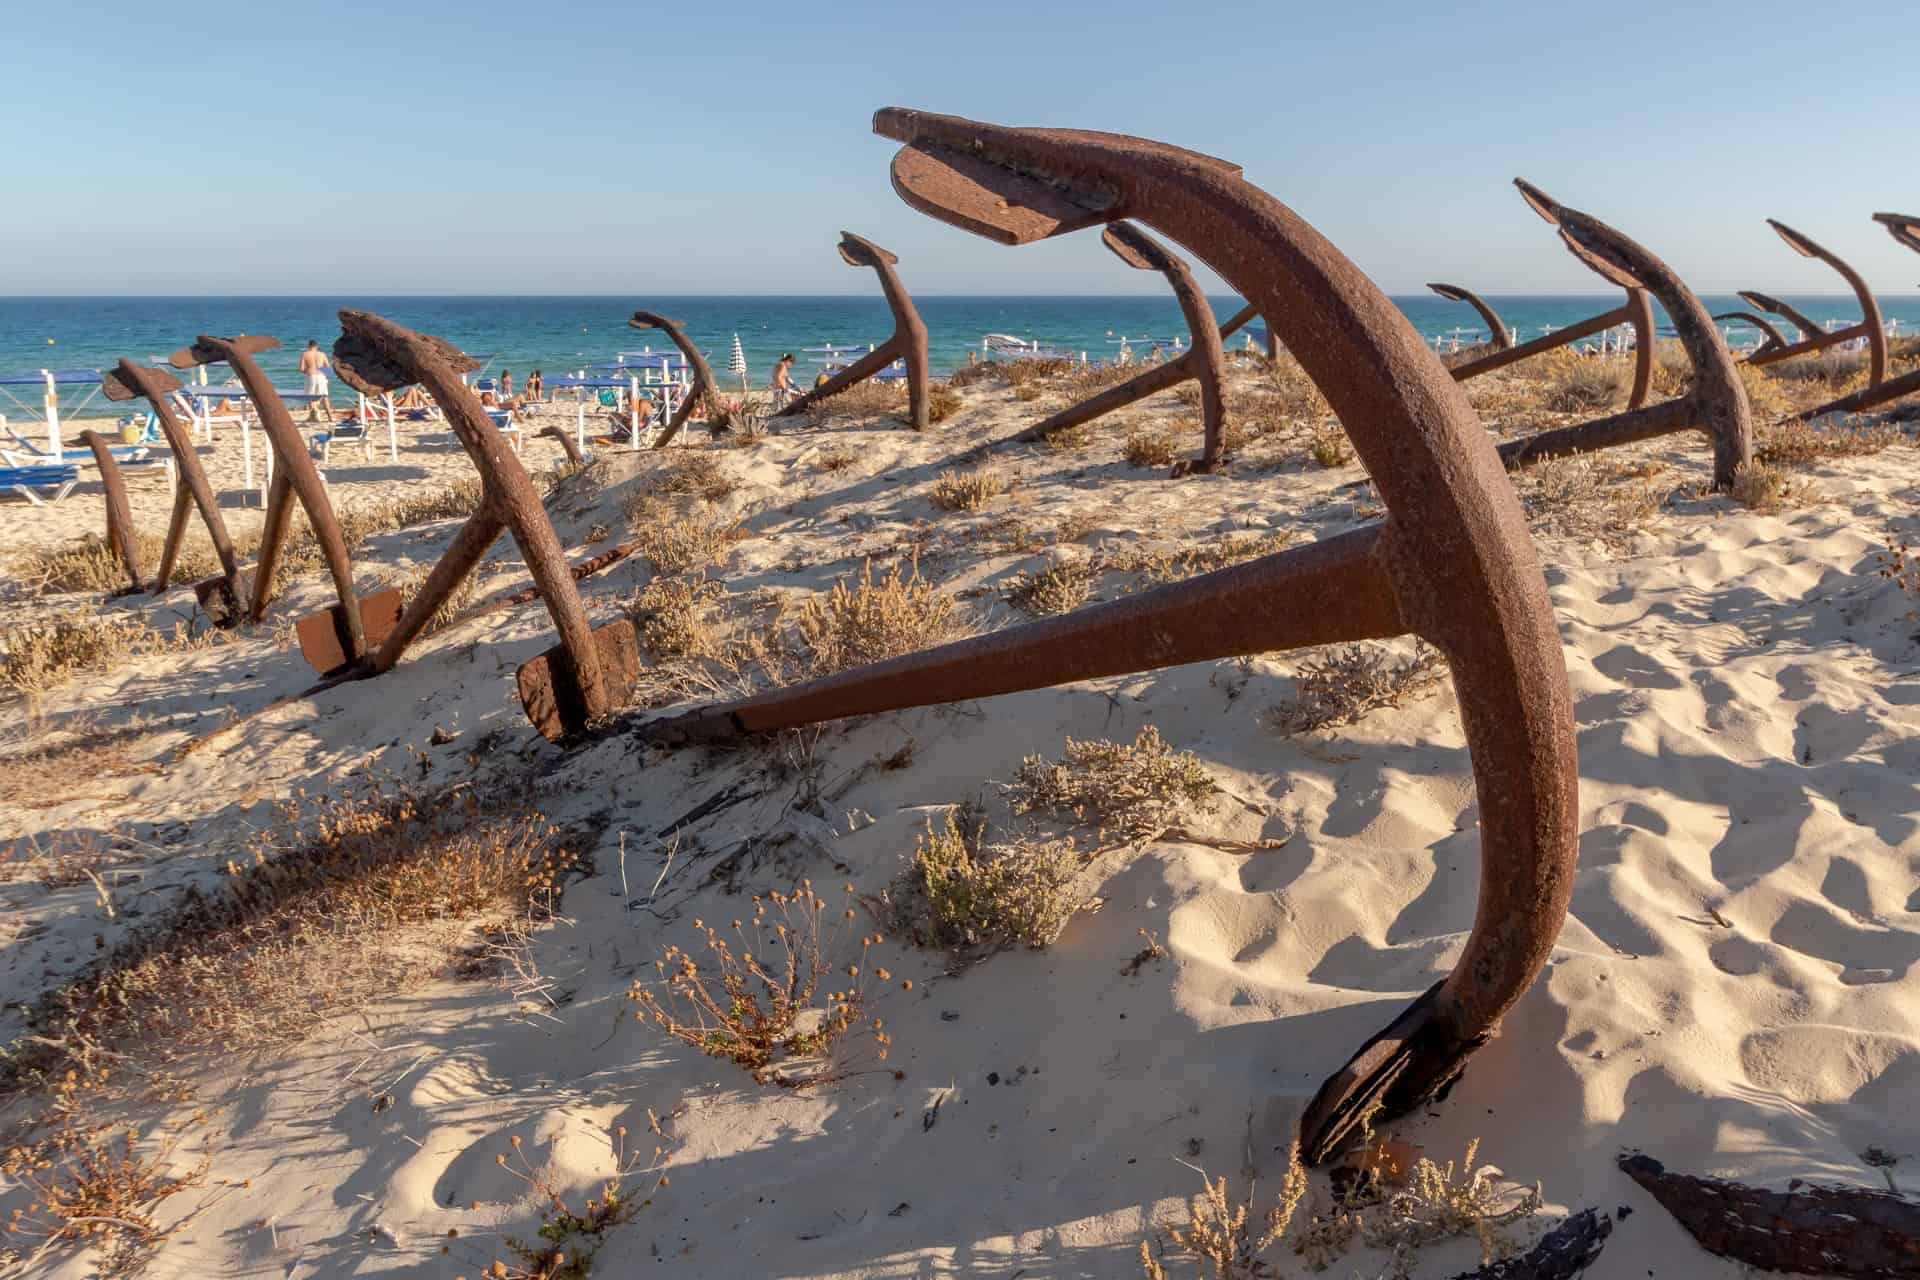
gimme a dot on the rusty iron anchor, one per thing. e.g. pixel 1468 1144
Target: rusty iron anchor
pixel 120 534
pixel 347 631
pixel 1716 401
pixel 1502 336
pixel 1453 562
pixel 586 675
pixel 1812 337
pixel 1771 339
pixel 908 343
pixel 1905 230
pixel 1205 361
pixel 705 390
pixel 1636 311
pixel 221 597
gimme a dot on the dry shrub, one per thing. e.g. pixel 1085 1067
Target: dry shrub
pixel 1069 439
pixel 1342 684
pixel 1433 1203
pixel 1328 446
pixel 694 473
pixel 60 859
pixel 1833 367
pixel 1588 498
pixel 1171 566
pixel 450 609
pixel 1294 392
pixel 1079 381
pixel 1153 447
pixel 40 776
pixel 852 626
pixel 1020 373
pixel 755 1002
pixel 44 655
pixel 99 1186
pixel 676 537
pixel 1795 443
pixel 1589 386
pixel 963 892
pixel 861 400
pixel 671 615
pixel 833 461
pixel 942 403
pixel 1059 586
pixel 1134 788
pixel 341 899
pixel 968 375
pixel 569 1239
pixel 1768 489
pixel 1672 370
pixel 966 490
pixel 1765 397
pixel 1896 563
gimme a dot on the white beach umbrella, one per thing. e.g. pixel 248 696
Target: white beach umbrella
pixel 739 363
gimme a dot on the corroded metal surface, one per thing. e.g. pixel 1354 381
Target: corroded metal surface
pixel 295 476
pixel 705 390
pixel 1716 401
pixel 1771 337
pixel 586 675
pixel 1766 302
pixel 119 515
pixel 1902 227
pixel 1905 230
pixel 221 597
pixel 1562 1254
pixel 1870 327
pixel 568 445
pixel 1452 562
pixel 1828 1231
pixel 1636 311
pixel 323 637
pixel 908 343
pixel 1502 338
pixel 1205 361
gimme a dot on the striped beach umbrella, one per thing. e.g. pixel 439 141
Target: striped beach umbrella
pixel 739 363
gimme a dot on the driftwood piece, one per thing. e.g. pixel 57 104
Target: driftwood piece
pixel 1561 1254
pixel 1835 1231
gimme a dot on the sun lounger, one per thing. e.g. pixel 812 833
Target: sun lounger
pixel 503 419
pixel 59 477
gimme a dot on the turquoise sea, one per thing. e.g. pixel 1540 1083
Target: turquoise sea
pixel 564 334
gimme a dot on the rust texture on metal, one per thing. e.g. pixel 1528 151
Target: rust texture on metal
pixel 908 343
pixel 295 476
pixel 591 670
pixel 1905 230
pixel 1205 361
pixel 1636 311
pixel 1452 562
pixel 120 534
pixel 1770 336
pixel 1828 1231
pixel 1562 1254
pixel 1716 401
pixel 1502 338
pixel 568 445
pixel 705 393
pixel 222 597
pixel 1766 302
pixel 1871 327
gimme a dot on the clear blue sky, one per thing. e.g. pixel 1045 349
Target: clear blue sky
pixel 718 147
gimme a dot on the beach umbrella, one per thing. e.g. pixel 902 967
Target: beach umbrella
pixel 739 363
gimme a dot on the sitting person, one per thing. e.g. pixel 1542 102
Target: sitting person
pixel 621 433
pixel 411 398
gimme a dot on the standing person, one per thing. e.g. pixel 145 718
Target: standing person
pixel 506 386
pixel 313 363
pixel 783 388
pixel 535 387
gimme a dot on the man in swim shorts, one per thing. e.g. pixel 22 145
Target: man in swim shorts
pixel 313 363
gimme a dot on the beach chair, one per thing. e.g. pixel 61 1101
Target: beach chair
pixel 201 406
pixel 354 430
pixel 60 477
pixel 503 421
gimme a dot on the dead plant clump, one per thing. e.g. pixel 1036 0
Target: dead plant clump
pixel 867 622
pixel 1153 447
pixel 1297 394
pixel 1059 586
pixel 44 655
pixel 834 461
pixel 1343 683
pixel 1589 386
pixel 962 891
pixel 40 775
pixel 1796 443
pixel 1672 370
pixel 60 860
pixel 759 1000
pixel 99 1186
pixel 861 400
pixel 1898 565
pixel 672 615
pixel 1020 373
pixel 1328 446
pixel 966 490
pixel 1833 367
pixel 677 537
pixel 1422 1206
pixel 569 1239
pixel 340 900
pixel 1070 439
pixel 450 609
pixel 1135 789
pixel 1766 398
pixel 972 374
pixel 1159 565
pixel 942 403
pixel 1590 499
pixel 1768 489
pixel 694 473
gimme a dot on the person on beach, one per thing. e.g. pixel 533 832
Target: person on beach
pixel 313 363
pixel 783 388
pixel 506 387
pixel 535 386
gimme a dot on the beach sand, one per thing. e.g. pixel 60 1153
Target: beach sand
pixel 1735 991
